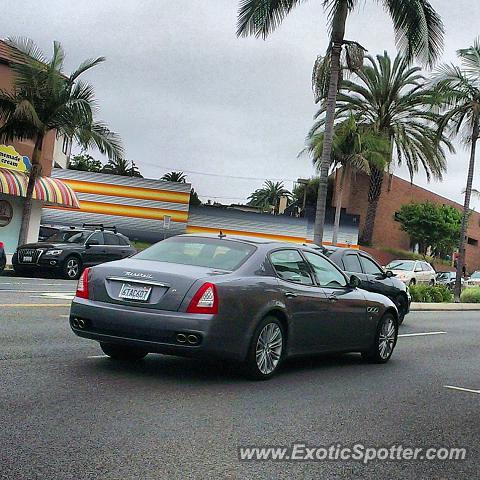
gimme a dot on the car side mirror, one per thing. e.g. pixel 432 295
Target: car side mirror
pixel 354 282
pixel 389 274
pixel 91 243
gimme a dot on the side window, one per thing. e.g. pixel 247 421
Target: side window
pixel 327 275
pixel 97 236
pixel 418 267
pixel 370 267
pixel 290 266
pixel 111 239
pixel 426 267
pixel 352 263
pixel 123 241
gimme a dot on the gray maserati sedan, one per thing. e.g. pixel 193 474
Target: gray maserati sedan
pixel 253 301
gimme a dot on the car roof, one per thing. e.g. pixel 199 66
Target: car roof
pixel 238 238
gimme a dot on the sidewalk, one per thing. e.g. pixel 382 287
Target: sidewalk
pixel 437 307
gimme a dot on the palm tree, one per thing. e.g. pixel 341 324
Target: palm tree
pixel 356 148
pixel 419 33
pixel 391 97
pixel 268 196
pixel 179 177
pixel 123 167
pixel 44 99
pixel 458 91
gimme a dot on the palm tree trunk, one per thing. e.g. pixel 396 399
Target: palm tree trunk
pixel 27 204
pixel 466 211
pixel 337 37
pixel 338 206
pixel 374 192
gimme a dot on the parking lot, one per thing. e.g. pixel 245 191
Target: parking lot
pixel 69 412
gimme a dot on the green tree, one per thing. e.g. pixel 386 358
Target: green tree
pixel 45 99
pixel 175 177
pixel 194 200
pixel 391 97
pixel 458 92
pixel 356 147
pixel 85 163
pixel 419 33
pixel 432 226
pixel 121 166
pixel 268 197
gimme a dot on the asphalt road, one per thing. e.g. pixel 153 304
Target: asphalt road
pixel 68 413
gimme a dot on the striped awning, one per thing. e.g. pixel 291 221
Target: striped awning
pixel 48 190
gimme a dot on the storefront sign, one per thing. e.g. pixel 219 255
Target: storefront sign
pixel 11 159
pixel 6 213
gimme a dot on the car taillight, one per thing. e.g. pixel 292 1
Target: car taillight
pixel 205 300
pixel 2 244
pixel 82 286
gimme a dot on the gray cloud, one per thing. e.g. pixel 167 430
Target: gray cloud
pixel 185 93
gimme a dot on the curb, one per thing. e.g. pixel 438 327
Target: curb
pixel 444 307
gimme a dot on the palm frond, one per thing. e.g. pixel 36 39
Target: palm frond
pixel 262 17
pixel 84 66
pixel 418 27
pixel 27 47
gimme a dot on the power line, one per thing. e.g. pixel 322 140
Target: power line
pixel 218 174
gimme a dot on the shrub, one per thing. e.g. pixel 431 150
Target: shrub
pixel 431 294
pixel 470 295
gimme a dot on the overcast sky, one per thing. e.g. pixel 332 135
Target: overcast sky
pixel 186 94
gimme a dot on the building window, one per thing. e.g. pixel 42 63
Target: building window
pixel 66 145
pixel 472 241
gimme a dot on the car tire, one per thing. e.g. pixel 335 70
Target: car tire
pixel 402 305
pixel 385 340
pixel 267 349
pixel 432 282
pixel 412 282
pixel 120 352
pixel 72 268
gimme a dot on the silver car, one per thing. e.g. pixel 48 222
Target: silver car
pixel 252 301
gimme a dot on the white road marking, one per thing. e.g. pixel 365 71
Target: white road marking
pixel 97 356
pixel 32 291
pixel 421 334
pixel 57 295
pixel 451 387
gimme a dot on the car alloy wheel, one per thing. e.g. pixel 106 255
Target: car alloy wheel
pixel 387 338
pixel 269 347
pixel 72 268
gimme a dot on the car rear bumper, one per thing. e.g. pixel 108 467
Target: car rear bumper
pixel 156 331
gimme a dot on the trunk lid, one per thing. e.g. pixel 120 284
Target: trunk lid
pixel 147 284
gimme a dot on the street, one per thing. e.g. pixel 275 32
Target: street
pixel 68 412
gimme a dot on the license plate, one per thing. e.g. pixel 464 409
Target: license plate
pixel 134 292
pixel 28 259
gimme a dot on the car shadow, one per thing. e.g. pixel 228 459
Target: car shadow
pixel 175 369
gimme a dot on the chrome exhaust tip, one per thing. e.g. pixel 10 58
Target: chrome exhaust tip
pixel 192 339
pixel 75 323
pixel 181 338
pixel 81 323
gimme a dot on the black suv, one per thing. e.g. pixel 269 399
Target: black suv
pixel 69 250
pixel 373 277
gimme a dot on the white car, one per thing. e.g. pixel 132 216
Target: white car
pixel 412 272
pixel 474 280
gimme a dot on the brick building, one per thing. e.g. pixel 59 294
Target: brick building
pixel 395 193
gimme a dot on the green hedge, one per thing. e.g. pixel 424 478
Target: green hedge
pixel 431 294
pixel 470 295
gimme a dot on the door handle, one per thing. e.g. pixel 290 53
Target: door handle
pixel 332 297
pixel 290 294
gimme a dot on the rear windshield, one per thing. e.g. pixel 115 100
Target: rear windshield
pixel 197 251
pixel 401 265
